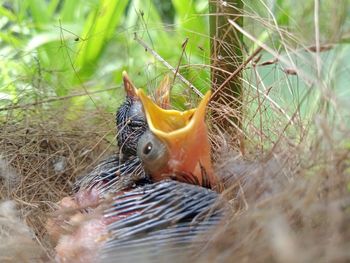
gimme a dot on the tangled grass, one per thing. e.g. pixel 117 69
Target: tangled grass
pixel 286 168
pixel 40 159
pixel 289 204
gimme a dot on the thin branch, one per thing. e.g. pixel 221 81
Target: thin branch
pixel 168 66
pixel 63 43
pixel 317 36
pixel 233 74
pixel 184 45
pixel 288 63
pixel 85 93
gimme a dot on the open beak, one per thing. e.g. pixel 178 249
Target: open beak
pixel 129 87
pixel 162 92
pixel 186 137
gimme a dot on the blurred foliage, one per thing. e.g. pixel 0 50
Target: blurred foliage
pixel 55 48
pixel 302 88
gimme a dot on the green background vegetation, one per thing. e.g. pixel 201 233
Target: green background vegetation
pixel 56 48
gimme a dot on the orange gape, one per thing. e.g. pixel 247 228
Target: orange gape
pixel 186 137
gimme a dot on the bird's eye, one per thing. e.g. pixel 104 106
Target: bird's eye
pixel 148 148
pixel 152 152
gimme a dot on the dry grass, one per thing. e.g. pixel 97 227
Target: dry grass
pixel 41 157
pixel 295 207
pixel 16 237
pixel 288 205
pixel 288 179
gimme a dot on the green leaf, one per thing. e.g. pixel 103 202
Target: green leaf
pixel 70 10
pixel 152 24
pixel 39 12
pixel 10 39
pixel 7 13
pixel 283 12
pixel 52 6
pixel 192 24
pixel 41 39
pixel 99 28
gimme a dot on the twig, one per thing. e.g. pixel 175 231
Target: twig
pixel 166 64
pixel 55 99
pixel 184 45
pixel 317 36
pixel 233 74
pixel 287 63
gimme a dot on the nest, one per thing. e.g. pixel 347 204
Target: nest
pixel 42 156
pixel 289 205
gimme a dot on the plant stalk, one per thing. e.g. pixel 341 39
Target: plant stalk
pixel 226 45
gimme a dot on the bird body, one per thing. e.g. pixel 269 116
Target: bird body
pixel 157 221
pixel 164 220
pixel 123 169
pixel 148 201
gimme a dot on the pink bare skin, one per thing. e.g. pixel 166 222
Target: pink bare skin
pixel 83 244
pixel 76 232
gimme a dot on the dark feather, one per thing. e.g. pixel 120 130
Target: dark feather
pixel 166 216
pixel 113 175
pixel 123 170
pixel 131 124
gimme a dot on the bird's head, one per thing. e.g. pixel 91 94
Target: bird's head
pixel 130 117
pixel 177 144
